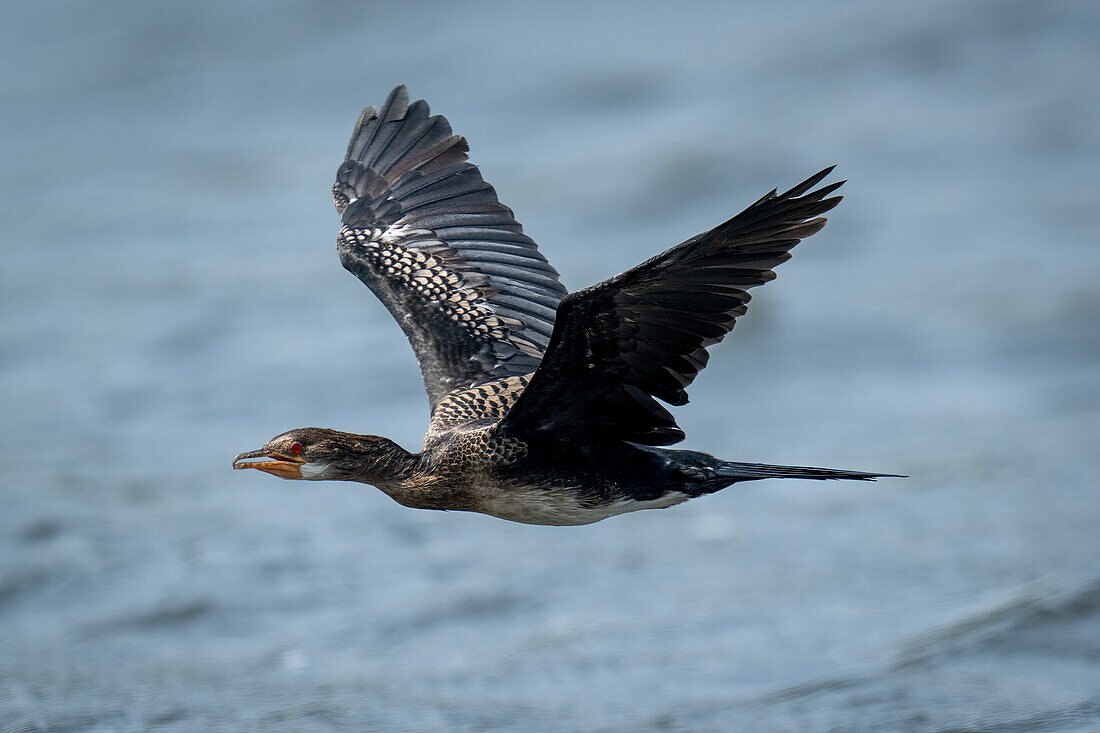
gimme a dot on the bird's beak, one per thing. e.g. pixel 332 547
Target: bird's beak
pixel 270 462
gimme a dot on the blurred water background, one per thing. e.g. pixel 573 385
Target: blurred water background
pixel 170 296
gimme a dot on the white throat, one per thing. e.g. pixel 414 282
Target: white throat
pixel 314 471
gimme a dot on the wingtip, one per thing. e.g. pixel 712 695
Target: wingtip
pixel 399 92
pixel 810 182
pixel 399 95
pixel 396 104
pixel 368 112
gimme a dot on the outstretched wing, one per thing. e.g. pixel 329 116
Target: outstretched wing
pixel 423 230
pixel 645 333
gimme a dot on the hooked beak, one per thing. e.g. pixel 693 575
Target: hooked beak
pixel 271 462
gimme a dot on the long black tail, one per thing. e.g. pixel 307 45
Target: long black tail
pixel 754 471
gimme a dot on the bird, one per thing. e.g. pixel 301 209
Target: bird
pixel 545 405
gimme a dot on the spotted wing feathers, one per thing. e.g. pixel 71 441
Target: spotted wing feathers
pixel 422 229
pixel 485 404
pixel 644 334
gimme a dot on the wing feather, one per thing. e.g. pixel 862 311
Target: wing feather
pixel 642 336
pixel 426 233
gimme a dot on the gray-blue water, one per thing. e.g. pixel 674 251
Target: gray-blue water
pixel 170 296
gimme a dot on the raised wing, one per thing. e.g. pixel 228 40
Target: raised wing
pixel 422 229
pixel 644 334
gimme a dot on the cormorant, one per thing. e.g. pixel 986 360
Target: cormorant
pixel 543 403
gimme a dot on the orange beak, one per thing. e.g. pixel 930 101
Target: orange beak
pixel 270 462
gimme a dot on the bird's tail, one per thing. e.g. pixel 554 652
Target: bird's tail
pixel 754 471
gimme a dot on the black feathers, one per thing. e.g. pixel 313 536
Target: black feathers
pixel 643 334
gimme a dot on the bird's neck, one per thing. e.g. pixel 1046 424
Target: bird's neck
pixel 411 479
pixel 379 462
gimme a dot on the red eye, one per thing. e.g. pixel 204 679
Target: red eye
pixel 295 448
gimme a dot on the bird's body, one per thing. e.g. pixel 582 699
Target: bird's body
pixel 543 404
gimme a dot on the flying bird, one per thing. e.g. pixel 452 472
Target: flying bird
pixel 544 403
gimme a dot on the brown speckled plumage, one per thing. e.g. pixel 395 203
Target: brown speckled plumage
pixel 543 406
pixel 486 402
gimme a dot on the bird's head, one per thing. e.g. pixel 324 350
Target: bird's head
pixel 320 453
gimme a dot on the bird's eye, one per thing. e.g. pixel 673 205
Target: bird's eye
pixel 295 447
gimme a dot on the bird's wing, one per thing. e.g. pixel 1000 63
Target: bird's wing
pixel 644 334
pixel 423 230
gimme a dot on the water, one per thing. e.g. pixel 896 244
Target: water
pixel 170 296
